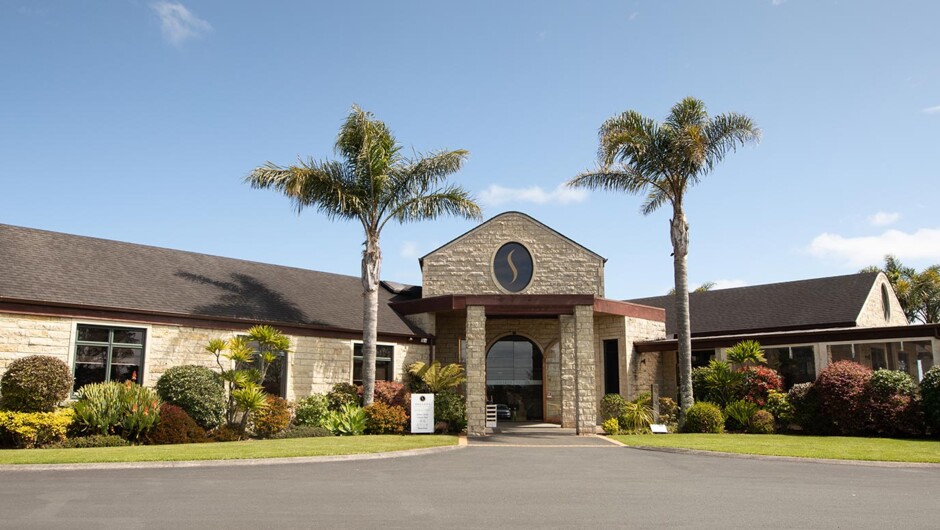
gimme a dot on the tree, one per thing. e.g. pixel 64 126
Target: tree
pixel 918 292
pixel 745 353
pixel 662 161
pixel 373 184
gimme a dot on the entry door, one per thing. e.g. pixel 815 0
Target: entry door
pixel 611 367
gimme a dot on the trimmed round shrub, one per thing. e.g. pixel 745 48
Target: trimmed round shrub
pixel 36 383
pixel 611 426
pixel 930 393
pixel 704 417
pixel 272 419
pixel 896 415
pixel 759 382
pixel 385 419
pixel 843 391
pixel 450 409
pixel 762 422
pixel 342 394
pixel 311 410
pixel 612 406
pixel 889 382
pixel 304 431
pixel 95 440
pixel 197 390
pixel 175 427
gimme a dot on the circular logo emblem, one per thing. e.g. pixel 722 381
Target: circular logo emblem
pixel 512 267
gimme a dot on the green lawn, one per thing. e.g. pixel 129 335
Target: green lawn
pixel 327 446
pixel 834 447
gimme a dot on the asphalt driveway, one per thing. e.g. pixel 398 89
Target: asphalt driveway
pixel 486 485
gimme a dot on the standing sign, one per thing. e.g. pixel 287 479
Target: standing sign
pixel 422 413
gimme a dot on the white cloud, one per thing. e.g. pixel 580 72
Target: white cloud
pixel 409 249
pixel 883 218
pixel 728 284
pixel 924 244
pixel 497 195
pixel 932 110
pixel 179 24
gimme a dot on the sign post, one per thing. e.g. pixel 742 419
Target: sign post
pixel 422 413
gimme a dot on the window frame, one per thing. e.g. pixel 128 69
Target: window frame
pixel 144 346
pixel 378 358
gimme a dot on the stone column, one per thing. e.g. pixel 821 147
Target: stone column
pixel 568 377
pixel 476 370
pixel 585 384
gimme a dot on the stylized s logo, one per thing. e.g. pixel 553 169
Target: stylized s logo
pixel 512 266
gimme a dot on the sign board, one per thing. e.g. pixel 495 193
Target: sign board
pixel 491 416
pixel 658 428
pixel 422 413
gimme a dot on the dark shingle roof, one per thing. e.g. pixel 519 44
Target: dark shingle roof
pixel 52 267
pixel 805 304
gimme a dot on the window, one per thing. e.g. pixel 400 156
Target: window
pixel 275 378
pixel 701 358
pixel 384 354
pixel 886 302
pixel 108 354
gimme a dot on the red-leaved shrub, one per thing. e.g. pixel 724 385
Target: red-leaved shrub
pixel 393 394
pixel 175 427
pixel 843 392
pixel 758 382
pixel 272 419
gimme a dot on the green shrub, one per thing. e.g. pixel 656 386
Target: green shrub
pixel 451 409
pixel 738 415
pixel 636 417
pixel 704 417
pixel 175 427
pixel 272 419
pixel 668 411
pixel 762 422
pixel 36 383
pixel 611 426
pixel 612 406
pixel 930 393
pixel 721 384
pixel 34 429
pixel 805 403
pixel 311 410
pixel 304 431
pixel 127 409
pixel 885 383
pixel 385 419
pixel 197 390
pixel 342 394
pixel 87 442
pixel 350 420
pixel 779 406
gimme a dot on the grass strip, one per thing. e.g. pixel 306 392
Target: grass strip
pixel 832 447
pixel 326 446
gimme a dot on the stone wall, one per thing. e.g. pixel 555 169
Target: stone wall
pixel 872 314
pixel 644 370
pixel 464 265
pixel 316 363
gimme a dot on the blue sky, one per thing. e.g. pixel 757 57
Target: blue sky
pixel 137 121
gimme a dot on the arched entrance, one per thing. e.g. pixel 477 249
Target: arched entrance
pixel 514 378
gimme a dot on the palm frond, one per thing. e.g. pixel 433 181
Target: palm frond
pixel 326 185
pixel 451 200
pixel 725 133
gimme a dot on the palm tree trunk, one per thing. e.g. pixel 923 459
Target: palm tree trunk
pixel 679 232
pixel 371 265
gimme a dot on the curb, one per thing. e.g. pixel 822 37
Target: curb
pixel 745 456
pixel 461 444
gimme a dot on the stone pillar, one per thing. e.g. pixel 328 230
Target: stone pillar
pixel 935 348
pixel 585 384
pixel 476 370
pixel 568 377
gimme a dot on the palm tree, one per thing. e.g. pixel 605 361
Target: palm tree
pixel 662 161
pixel 746 353
pixel 918 292
pixel 372 184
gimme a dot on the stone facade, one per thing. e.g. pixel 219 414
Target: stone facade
pixel 315 364
pixel 463 266
pixel 476 370
pixel 872 314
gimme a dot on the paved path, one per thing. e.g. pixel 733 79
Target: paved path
pixel 487 485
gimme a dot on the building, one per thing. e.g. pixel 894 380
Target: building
pixel 520 305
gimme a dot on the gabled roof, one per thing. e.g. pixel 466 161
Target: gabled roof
pixel 51 267
pixel 818 303
pixel 526 216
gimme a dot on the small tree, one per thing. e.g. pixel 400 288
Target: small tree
pixel 746 353
pixel 437 378
pixel 249 359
